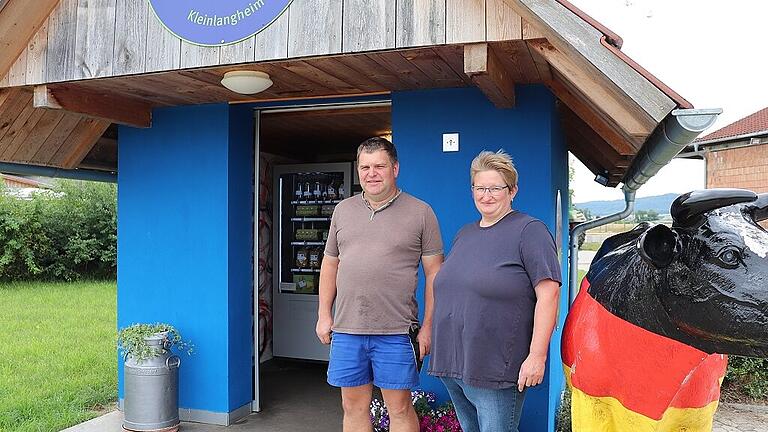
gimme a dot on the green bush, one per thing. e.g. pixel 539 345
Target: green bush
pixel 748 377
pixel 68 233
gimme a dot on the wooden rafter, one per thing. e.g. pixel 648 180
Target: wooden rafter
pixel 106 106
pixel 19 21
pixel 77 145
pixel 610 83
pixel 601 150
pixel 608 131
pixel 44 137
pixel 486 71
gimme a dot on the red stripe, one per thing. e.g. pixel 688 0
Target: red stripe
pixel 647 373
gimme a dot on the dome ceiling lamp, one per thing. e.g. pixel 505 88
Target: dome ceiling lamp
pixel 246 81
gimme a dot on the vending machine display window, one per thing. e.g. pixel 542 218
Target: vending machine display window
pixel 305 197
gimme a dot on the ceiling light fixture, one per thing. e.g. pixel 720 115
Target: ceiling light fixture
pixel 246 82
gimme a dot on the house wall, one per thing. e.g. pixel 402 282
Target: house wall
pixel 185 247
pixel 745 168
pixel 530 133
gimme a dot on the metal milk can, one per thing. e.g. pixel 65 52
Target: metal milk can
pixel 151 389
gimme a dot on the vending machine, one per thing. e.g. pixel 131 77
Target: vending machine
pixel 305 196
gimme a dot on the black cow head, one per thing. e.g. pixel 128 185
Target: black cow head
pixel 713 267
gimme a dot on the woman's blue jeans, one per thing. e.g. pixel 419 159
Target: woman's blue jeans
pixel 485 410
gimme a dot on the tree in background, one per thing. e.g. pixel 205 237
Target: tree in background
pixel 646 216
pixel 67 233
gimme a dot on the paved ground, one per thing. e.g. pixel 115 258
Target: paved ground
pixel 741 418
pixel 729 418
pixel 295 398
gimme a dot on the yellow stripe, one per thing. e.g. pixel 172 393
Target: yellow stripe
pixel 607 414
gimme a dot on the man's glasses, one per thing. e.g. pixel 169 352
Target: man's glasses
pixel 493 190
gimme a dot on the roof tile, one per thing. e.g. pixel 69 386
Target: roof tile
pixel 751 124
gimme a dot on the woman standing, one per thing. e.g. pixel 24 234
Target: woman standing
pixel 496 300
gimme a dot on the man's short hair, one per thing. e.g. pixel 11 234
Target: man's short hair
pixel 378 143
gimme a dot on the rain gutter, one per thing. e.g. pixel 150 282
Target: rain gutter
pixel 678 129
pixel 44 171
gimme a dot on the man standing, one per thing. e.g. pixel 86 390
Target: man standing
pixel 370 268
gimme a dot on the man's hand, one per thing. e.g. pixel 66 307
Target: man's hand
pixel 425 341
pixel 531 371
pixel 323 329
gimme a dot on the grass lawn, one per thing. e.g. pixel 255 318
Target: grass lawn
pixel 57 354
pixel 582 273
pixel 591 246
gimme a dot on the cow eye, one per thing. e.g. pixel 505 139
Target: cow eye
pixel 730 256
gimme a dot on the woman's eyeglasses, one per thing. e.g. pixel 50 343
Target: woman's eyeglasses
pixel 493 190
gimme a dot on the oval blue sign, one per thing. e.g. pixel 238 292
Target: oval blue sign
pixel 219 22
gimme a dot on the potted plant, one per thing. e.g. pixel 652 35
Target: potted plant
pixel 151 376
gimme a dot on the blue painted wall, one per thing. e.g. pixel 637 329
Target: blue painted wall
pixel 530 133
pixel 185 199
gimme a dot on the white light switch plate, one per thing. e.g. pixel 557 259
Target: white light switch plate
pixel 450 142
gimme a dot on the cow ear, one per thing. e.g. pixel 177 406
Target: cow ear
pixel 657 246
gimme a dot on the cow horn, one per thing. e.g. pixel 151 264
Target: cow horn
pixel 687 208
pixel 759 208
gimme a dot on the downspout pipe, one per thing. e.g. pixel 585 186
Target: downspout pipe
pixel 676 131
pixel 629 206
pixel 44 171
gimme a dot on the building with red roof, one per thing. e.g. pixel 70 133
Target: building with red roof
pixel 736 155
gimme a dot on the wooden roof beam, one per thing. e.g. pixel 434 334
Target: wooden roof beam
pixel 612 134
pixel 19 21
pixel 79 143
pixel 486 71
pixel 104 106
pixel 610 102
pixel 574 48
pixel 601 150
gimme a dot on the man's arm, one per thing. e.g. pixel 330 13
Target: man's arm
pixel 431 266
pixel 327 295
pixel 544 320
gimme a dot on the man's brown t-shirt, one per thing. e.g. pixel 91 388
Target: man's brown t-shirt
pixel 379 253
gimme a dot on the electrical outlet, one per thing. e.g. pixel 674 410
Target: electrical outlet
pixel 450 142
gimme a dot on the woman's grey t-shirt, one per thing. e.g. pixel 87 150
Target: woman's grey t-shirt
pixel 485 300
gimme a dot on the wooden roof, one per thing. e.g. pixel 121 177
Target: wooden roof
pixel 77 74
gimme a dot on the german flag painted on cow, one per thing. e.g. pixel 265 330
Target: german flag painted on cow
pixel 625 378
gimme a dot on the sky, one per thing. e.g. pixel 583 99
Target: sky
pixel 711 52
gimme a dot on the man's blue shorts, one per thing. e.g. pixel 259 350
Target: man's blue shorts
pixel 388 361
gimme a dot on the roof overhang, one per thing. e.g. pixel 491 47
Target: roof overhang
pixel 609 105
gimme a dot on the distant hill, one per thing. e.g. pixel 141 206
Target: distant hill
pixel 660 203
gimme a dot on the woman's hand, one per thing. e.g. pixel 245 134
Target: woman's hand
pixel 531 371
pixel 544 318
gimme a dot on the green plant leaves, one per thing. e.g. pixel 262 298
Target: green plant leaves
pixel 131 340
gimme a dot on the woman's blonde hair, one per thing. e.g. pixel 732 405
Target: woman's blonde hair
pixel 500 162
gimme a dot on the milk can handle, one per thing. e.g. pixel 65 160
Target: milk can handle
pixel 172 361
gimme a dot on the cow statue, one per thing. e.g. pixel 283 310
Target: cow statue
pixel 645 341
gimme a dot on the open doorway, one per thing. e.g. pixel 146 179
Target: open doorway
pixel 305 165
